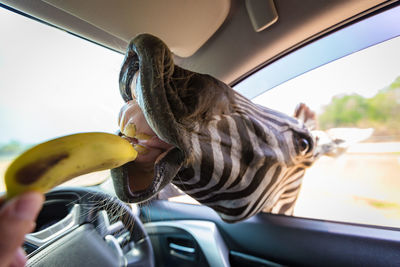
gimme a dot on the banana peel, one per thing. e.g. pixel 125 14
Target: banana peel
pixel 53 162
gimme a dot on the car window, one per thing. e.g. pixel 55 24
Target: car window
pixel 351 79
pixel 357 101
pixel 52 84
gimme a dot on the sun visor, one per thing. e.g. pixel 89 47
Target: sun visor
pixel 185 25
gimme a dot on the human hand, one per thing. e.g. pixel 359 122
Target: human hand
pixel 17 218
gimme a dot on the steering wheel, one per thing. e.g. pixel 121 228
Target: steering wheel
pixel 85 227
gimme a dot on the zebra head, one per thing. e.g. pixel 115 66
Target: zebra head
pixel 211 142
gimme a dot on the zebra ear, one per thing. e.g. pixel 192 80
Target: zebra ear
pixel 304 114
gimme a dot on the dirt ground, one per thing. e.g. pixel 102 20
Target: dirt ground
pixel 361 186
pixel 356 187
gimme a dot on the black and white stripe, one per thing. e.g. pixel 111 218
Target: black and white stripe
pixel 246 161
pixel 228 153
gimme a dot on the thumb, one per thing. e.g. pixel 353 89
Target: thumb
pixel 17 218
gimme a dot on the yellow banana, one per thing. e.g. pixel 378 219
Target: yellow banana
pixel 56 161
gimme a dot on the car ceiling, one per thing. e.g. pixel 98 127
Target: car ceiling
pixel 210 36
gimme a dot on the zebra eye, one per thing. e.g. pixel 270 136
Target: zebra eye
pixel 304 145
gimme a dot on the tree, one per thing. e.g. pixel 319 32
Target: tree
pixel 381 111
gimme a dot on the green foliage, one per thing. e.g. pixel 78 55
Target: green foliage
pixel 395 84
pixel 343 110
pixel 381 111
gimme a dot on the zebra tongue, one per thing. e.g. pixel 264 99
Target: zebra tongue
pixel 138 182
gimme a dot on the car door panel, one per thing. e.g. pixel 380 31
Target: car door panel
pixel 289 240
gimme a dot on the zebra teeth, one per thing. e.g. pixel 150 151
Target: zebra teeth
pixel 129 130
pixel 143 136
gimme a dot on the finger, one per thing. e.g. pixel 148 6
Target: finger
pixel 19 259
pixel 17 218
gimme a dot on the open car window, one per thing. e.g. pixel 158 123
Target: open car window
pixel 356 97
pixel 351 79
pixel 53 84
pixel 357 100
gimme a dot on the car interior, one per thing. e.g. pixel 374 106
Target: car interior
pixel 269 41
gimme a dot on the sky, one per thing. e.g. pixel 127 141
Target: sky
pixel 53 83
pixel 364 72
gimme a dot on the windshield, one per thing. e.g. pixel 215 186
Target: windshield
pixel 53 84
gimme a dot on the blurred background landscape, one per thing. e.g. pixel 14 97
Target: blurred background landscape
pixel 362 185
pixel 380 112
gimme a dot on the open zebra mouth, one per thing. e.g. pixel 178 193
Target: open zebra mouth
pixel 151 150
pixel 140 180
pixel 143 81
